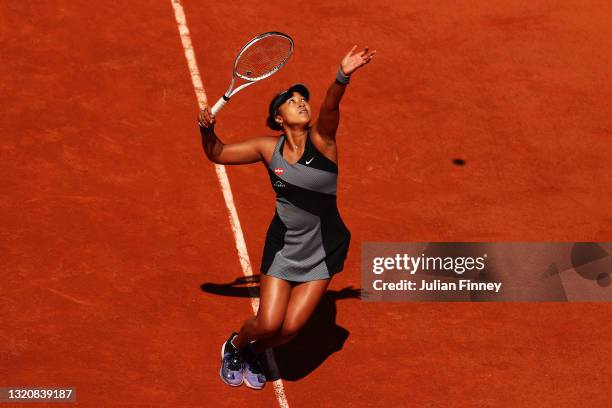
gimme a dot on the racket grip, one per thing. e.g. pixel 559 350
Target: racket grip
pixel 220 104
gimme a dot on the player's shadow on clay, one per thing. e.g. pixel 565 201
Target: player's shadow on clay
pixel 318 339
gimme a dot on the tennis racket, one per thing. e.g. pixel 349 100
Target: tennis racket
pixel 260 58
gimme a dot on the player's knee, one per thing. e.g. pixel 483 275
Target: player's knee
pixel 268 327
pixel 289 330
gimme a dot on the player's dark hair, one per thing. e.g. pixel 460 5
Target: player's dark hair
pixel 272 123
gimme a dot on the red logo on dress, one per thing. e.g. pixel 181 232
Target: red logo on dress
pixel 278 171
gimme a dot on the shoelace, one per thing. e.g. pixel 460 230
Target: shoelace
pixel 234 361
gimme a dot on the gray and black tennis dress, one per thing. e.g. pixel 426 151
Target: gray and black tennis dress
pixel 307 239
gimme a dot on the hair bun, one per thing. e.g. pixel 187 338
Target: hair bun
pixel 273 124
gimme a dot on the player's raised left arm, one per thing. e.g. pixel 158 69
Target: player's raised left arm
pixel 329 116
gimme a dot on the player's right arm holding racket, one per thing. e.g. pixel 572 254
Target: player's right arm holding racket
pixel 249 151
pixel 258 59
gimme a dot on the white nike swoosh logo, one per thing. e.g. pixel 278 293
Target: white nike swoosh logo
pixel 308 161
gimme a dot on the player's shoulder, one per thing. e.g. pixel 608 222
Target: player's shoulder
pixel 265 145
pixel 326 146
pixel 268 139
pixel 321 140
pixel 266 142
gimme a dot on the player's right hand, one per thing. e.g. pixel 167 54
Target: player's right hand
pixel 205 119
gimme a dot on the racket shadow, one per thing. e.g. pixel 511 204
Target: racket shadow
pixel 319 338
pixel 243 286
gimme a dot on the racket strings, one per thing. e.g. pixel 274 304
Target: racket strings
pixel 264 57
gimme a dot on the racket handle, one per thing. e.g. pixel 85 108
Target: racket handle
pixel 220 103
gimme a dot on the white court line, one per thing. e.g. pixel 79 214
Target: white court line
pixel 243 255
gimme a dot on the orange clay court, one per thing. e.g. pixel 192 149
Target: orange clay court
pixel 120 271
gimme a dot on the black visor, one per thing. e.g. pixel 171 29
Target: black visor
pixel 282 97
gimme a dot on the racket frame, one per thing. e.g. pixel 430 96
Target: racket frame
pixel 250 81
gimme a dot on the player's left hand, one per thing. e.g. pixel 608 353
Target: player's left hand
pixel 356 59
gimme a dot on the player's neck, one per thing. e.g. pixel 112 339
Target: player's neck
pixel 296 138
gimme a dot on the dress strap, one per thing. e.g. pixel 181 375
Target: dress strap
pixel 279 144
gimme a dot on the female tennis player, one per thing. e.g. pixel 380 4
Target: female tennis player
pixel 306 242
